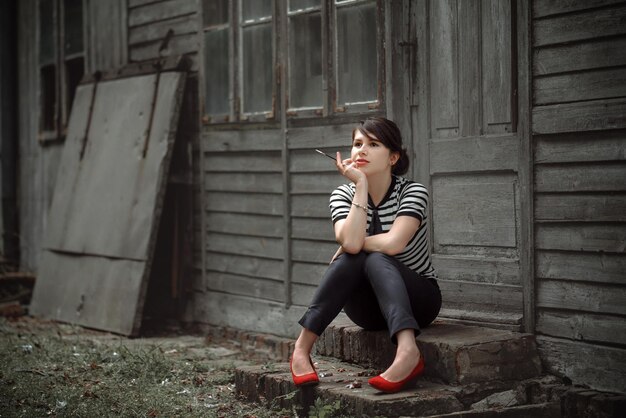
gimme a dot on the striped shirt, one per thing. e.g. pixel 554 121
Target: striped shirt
pixel 404 198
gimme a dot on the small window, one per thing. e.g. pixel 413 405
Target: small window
pixel 257 57
pixel 217 80
pixel 305 54
pixel 357 72
pixel 61 62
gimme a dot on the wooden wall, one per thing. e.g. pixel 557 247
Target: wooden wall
pixel 579 127
pixel 268 236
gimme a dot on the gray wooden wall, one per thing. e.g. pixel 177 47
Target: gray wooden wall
pixel 578 122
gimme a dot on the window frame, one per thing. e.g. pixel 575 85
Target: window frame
pixel 329 51
pixel 61 92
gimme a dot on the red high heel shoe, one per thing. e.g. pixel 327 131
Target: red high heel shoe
pixel 386 386
pixel 308 379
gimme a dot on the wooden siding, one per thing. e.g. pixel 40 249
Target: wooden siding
pixel 246 223
pixel 579 122
pixel 164 28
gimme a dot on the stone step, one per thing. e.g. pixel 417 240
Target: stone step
pixel 344 389
pixel 456 354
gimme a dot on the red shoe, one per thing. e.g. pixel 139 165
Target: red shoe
pixel 386 386
pixel 308 379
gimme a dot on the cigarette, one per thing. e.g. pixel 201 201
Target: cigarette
pixel 323 153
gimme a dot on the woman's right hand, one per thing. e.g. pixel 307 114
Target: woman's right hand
pixel 349 169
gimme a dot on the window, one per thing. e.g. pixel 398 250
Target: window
pixel 61 63
pixel 326 73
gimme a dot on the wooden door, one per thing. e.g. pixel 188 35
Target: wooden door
pixel 467 140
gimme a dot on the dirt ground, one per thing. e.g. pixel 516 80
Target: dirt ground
pixel 54 369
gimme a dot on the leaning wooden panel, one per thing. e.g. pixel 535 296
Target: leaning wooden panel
pixel 95 292
pixel 105 202
pixel 108 201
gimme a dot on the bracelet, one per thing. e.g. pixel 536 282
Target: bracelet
pixel 360 206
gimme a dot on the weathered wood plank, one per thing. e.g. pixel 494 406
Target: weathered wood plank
pixel 337 137
pixel 244 265
pixel 257 203
pixel 107 37
pixel 581 237
pixel 307 183
pixel 242 140
pixel 580 207
pixel 244 182
pixel 247 313
pixel 594 267
pixel 303 294
pixel 136 3
pixel 245 245
pixel 309 161
pixel 581 178
pixel 580 56
pixel 245 286
pixel 486 217
pixel 243 162
pixel 600 367
pixel 470 80
pixel 510 321
pixel 444 70
pixel 577 117
pixel 580 26
pixel 477 269
pixel 244 224
pixel 312 206
pixel 496 65
pixel 578 147
pixel 546 8
pixel 582 326
pixel 313 251
pixel 148 13
pixel 481 296
pixel 474 154
pixel 580 296
pixel 574 87
pixel 178 45
pixel 182 25
pixel 309 273
pixel 316 229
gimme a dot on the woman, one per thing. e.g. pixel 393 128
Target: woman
pixel 381 275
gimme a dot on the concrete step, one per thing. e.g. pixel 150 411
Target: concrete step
pixel 455 354
pixel 344 389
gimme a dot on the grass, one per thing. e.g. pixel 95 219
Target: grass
pixel 59 370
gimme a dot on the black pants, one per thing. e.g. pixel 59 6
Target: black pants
pixel 377 292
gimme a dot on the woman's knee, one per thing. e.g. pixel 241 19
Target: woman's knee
pixel 358 258
pixel 376 259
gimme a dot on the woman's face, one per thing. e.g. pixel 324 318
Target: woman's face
pixel 370 155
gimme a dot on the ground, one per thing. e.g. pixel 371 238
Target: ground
pixel 54 369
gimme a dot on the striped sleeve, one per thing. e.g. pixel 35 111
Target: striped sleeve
pixel 340 202
pixel 413 201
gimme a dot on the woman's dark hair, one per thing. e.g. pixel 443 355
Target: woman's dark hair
pixel 387 132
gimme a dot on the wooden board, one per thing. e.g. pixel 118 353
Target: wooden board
pixel 104 217
pixel 589 267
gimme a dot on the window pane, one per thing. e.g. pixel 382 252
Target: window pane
pixel 48 97
pixel 255 9
pixel 257 68
pixel 357 54
pixel 302 4
pixel 73 26
pixel 215 12
pixel 217 78
pixel 305 61
pixel 47 50
pixel 74 70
